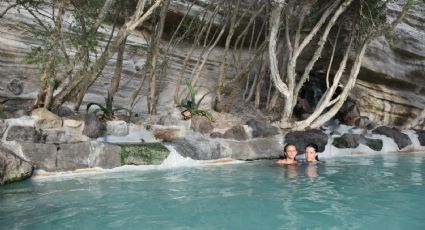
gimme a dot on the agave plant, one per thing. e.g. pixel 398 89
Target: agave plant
pixel 192 106
pixel 108 110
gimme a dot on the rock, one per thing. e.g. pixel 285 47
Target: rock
pixel 57 136
pixel 25 134
pixel 402 140
pixel 12 167
pixel 73 156
pixel 167 134
pixel 143 154
pixel 104 155
pixel 44 114
pixel 216 135
pixel 302 138
pixel 421 136
pixel 117 128
pixel 16 107
pixel 173 117
pixel 46 119
pixel 262 129
pixel 93 127
pixel 374 144
pixel 15 86
pixel 68 123
pixel 198 148
pixel 42 156
pixel 201 124
pixel 349 140
pixel 236 132
pixel 65 111
pixel 48 124
pixel 255 149
pixel 349 113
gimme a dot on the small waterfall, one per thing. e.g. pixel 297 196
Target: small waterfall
pixel 174 159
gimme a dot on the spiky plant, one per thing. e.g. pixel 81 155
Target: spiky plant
pixel 107 109
pixel 192 106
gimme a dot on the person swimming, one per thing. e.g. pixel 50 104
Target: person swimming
pixel 289 154
pixel 311 155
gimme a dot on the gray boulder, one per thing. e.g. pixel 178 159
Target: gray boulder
pixel 302 138
pixel 73 156
pixel 143 154
pixel 198 148
pixel 201 124
pixel 17 107
pixel 349 140
pixel 25 134
pixel 262 129
pixel 12 167
pixel 402 140
pixel 254 149
pixel 42 156
pixel 236 133
pixel 93 126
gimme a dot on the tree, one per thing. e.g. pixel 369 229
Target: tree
pixel 366 20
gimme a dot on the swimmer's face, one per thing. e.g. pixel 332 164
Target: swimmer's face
pixel 291 152
pixel 310 154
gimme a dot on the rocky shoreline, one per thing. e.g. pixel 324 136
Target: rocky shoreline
pixel 50 144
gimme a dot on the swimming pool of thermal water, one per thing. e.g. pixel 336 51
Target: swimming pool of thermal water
pixel 372 192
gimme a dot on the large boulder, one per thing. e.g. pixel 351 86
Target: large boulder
pixel 93 126
pixel 42 156
pixel 236 132
pixel 302 138
pixel 12 167
pixel 201 124
pixel 17 107
pixel 117 128
pixel 104 155
pixel 349 140
pixel 73 156
pixel 25 134
pixel 349 113
pixel 402 140
pixel 198 148
pixel 46 119
pixel 254 149
pixel 262 129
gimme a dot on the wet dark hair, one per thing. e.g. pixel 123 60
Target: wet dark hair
pixel 315 147
pixel 284 150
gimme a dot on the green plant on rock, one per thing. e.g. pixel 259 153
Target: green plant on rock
pixel 192 106
pixel 108 109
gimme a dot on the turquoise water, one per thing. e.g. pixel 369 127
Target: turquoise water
pixel 373 192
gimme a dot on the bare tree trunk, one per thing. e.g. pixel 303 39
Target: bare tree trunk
pixel 45 94
pixel 343 96
pixel 115 81
pixel 155 52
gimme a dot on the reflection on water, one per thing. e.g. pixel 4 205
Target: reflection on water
pixel 373 192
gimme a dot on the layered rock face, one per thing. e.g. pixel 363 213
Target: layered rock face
pixel 391 85
pixel 390 89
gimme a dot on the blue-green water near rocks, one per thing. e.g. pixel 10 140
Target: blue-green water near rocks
pixel 370 192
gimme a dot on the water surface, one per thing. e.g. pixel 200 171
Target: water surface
pixel 372 192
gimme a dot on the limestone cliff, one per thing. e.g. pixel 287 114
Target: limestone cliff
pixel 390 89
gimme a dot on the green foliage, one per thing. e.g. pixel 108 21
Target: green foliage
pixel 143 154
pixel 192 106
pixel 107 109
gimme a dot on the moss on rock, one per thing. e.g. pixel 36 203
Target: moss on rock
pixel 143 154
